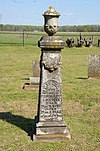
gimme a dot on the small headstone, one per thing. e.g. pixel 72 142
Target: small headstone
pixel 33 81
pixel 94 66
pixel 36 73
pixel 36 68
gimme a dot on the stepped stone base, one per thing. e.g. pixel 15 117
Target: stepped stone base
pixel 51 131
pixel 51 137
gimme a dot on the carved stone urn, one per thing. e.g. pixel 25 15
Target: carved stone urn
pixel 51 21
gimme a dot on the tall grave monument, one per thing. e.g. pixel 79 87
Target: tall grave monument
pixel 50 124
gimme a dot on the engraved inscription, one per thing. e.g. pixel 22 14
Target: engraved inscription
pixel 51 99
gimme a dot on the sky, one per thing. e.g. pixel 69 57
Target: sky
pixel 29 12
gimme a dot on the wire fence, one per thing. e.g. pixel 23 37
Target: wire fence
pixel 19 38
pixel 31 38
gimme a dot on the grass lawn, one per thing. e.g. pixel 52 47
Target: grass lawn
pixel 18 107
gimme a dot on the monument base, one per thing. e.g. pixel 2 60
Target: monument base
pixel 50 131
pixel 28 86
pixel 32 84
pixel 51 137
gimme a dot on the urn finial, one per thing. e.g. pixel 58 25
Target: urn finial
pixel 51 21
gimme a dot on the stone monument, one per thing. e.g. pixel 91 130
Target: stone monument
pixel 94 66
pixel 49 123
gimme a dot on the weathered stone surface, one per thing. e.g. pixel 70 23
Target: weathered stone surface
pixel 51 137
pixel 49 122
pixel 36 68
pixel 50 116
pixel 51 21
pixel 34 80
pixel 94 66
pixel 51 42
pixel 51 128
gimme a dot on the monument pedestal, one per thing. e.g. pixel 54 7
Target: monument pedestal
pixel 50 124
pixel 51 128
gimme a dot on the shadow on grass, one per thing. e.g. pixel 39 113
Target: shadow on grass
pixel 26 124
pixel 83 78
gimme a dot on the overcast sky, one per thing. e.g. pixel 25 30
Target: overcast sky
pixel 29 12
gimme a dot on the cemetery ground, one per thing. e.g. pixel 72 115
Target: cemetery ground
pixel 18 107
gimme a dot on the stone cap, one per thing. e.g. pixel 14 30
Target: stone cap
pixel 51 12
pixel 51 42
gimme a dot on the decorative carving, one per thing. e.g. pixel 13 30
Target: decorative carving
pixel 51 29
pixel 52 62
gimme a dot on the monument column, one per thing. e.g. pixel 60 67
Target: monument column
pixel 50 123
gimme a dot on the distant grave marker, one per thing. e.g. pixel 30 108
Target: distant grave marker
pixel 36 68
pixel 34 81
pixel 94 66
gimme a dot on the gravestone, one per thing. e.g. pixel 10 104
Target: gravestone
pixel 36 73
pixel 49 121
pixel 33 82
pixel 36 68
pixel 94 66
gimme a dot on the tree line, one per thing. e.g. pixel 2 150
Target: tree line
pixel 79 28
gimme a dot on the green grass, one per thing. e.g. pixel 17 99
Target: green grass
pixel 18 107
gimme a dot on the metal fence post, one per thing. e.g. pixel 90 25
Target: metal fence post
pixel 23 37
